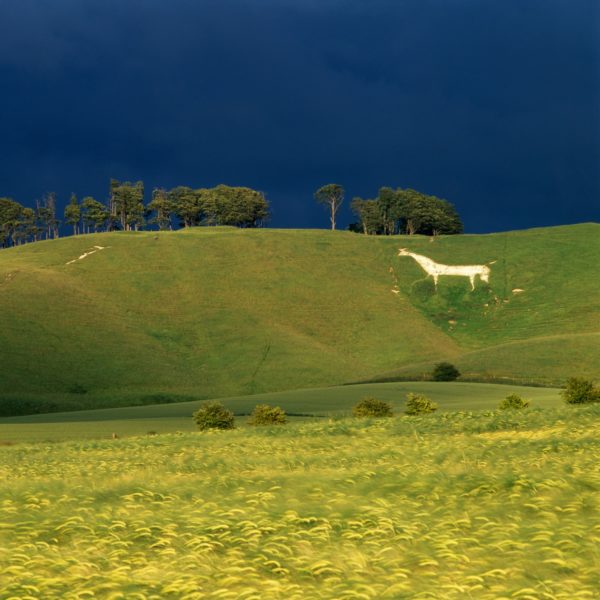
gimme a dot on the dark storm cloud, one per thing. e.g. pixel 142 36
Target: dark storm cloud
pixel 494 105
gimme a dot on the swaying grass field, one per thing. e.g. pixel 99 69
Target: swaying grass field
pixel 452 505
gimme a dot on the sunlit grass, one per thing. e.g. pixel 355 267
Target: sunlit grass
pixel 215 312
pixel 455 505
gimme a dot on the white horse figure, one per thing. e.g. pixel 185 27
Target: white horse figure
pixel 436 269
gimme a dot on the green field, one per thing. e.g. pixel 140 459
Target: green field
pixel 219 312
pixel 454 505
pixel 335 402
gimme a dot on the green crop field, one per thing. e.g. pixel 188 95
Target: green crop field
pixel 455 505
pixel 220 312
pixel 301 404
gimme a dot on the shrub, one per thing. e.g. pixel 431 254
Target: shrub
pixel 263 414
pixel 213 415
pixel 445 371
pixel 580 391
pixel 417 404
pixel 514 401
pixel 371 407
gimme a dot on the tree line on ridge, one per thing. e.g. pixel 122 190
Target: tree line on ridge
pixel 393 212
pixel 125 210
pixel 400 211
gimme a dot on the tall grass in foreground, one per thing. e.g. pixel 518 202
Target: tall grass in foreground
pixel 455 505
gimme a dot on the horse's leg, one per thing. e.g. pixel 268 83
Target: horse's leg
pixel 472 280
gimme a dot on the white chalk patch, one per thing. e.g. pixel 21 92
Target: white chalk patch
pixel 517 291
pixel 88 253
pixel 395 291
pixel 436 269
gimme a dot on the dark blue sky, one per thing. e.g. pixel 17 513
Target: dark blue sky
pixel 492 104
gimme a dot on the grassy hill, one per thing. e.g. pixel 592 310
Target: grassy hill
pixel 221 312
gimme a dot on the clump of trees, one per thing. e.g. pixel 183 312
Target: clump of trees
pixel 125 210
pixel 405 211
pixel 20 224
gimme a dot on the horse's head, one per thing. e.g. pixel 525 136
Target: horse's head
pixel 403 252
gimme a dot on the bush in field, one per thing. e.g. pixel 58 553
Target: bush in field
pixel 445 371
pixel 263 414
pixel 371 407
pixel 417 404
pixel 514 401
pixel 213 415
pixel 580 391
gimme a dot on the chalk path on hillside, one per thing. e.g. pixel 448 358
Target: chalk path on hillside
pixel 86 254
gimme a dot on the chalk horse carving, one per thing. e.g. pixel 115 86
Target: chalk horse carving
pixel 436 269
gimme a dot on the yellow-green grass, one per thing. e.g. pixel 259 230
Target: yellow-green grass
pixel 299 404
pixel 227 312
pixel 454 505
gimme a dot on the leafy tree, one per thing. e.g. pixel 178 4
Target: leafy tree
pixel 580 391
pixel 187 204
pixel 369 215
pixel 95 214
pixel 162 206
pixel 73 214
pixel 213 415
pixel 429 215
pixel 46 214
pixel 237 206
pixel 10 215
pixel 28 224
pixel 127 200
pixel 372 407
pixel 445 371
pixel 332 197
pixel 392 208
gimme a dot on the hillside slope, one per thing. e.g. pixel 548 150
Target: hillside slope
pixel 218 312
